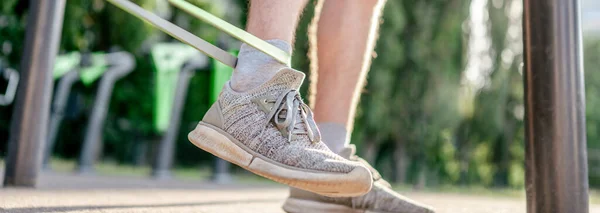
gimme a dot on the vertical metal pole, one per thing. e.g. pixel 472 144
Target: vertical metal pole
pixel 164 158
pixel 221 73
pixel 122 63
pixel 63 89
pixel 221 172
pixel 556 158
pixel 30 118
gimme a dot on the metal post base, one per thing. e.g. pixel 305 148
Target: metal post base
pixel 221 174
pixel 222 178
pixel 85 170
pixel 162 174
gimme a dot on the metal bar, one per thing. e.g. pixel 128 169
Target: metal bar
pixel 237 33
pixel 219 77
pixel 30 116
pixel 121 64
pixel 177 32
pixel 63 89
pixel 13 81
pixel 166 149
pixel 221 173
pixel 556 161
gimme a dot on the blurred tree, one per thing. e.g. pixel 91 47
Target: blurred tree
pixel 488 138
pixel 592 93
pixel 409 104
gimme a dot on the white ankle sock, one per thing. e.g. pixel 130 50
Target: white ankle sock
pixel 255 67
pixel 334 135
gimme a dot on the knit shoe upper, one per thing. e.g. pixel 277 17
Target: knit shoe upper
pixel 273 121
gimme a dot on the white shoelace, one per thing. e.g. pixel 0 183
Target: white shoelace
pixel 294 117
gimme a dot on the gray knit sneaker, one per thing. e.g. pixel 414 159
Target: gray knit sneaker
pixel 271 132
pixel 381 198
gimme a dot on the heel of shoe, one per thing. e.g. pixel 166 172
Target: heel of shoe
pixel 214 116
pixel 207 138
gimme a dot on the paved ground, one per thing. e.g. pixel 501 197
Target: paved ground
pixel 71 193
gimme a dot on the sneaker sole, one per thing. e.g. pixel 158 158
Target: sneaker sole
pixel 219 143
pixel 293 205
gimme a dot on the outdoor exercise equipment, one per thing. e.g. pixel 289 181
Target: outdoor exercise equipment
pixel 553 78
pixel 66 72
pixel 117 66
pixel 12 78
pixel 174 65
pixel 88 68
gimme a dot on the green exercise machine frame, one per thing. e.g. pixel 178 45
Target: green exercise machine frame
pixel 88 68
pixel 174 65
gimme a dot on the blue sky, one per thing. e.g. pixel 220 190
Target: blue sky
pixel 590 16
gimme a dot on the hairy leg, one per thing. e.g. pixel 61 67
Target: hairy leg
pixel 342 42
pixel 343 36
pixel 253 122
pixel 274 21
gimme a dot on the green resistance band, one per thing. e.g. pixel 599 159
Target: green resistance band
pixel 198 43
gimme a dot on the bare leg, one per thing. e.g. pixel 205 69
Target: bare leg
pixel 274 21
pixel 346 32
pixel 345 38
pixel 259 120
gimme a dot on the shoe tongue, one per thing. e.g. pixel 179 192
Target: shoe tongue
pixel 288 78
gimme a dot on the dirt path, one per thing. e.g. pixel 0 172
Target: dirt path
pixel 71 193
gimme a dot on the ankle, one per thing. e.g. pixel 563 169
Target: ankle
pixel 334 135
pixel 255 67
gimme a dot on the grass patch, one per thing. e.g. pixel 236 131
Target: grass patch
pixel 478 190
pixel 111 168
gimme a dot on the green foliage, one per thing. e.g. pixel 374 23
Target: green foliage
pixel 591 55
pixel 410 99
pixel 12 32
pixel 592 91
